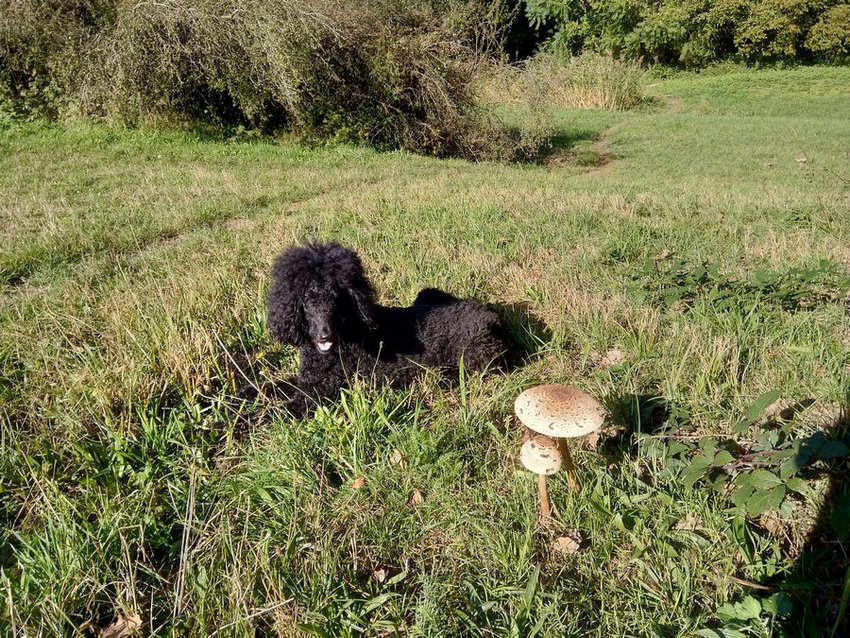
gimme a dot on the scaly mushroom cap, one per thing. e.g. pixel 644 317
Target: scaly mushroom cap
pixel 559 411
pixel 540 455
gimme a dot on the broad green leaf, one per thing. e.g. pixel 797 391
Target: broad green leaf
pixel 790 467
pixel 745 479
pixel 747 609
pixel 751 606
pixel 741 426
pixel 689 479
pixel 708 446
pixel 264 495
pixel 675 447
pixel 695 538
pixel 396 579
pixel 752 413
pixel 778 604
pixel 764 479
pixel 761 403
pixel 700 461
pixel 797 485
pixel 809 447
pixel 741 495
pixel 763 500
pixel 374 603
pixel 624 523
pixel 720 483
pixel 722 458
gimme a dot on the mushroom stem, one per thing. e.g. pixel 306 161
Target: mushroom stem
pixel 545 506
pixel 569 467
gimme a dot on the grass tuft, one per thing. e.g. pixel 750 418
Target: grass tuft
pixel 587 81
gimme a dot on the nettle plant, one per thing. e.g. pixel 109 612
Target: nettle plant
pixel 679 284
pixel 767 456
pixel 759 466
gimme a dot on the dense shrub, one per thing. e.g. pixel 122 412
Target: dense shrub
pixel 393 73
pixel 697 32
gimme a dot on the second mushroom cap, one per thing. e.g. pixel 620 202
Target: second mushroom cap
pixel 541 455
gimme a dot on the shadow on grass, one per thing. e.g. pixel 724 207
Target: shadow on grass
pixel 574 146
pixel 633 415
pixel 819 583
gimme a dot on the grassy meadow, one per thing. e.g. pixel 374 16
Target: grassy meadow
pixel 687 262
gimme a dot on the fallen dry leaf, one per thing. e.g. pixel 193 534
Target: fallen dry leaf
pixel 358 483
pixel 567 544
pixel 592 440
pixel 689 523
pixel 416 498
pixel 123 627
pixel 783 409
pixel 772 522
pixel 612 357
pixel 664 254
pixel 398 459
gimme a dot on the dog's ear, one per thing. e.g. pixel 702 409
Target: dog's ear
pixel 350 274
pixel 286 318
pixel 287 323
pixel 362 299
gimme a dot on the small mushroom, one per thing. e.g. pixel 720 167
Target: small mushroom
pixel 540 454
pixel 560 412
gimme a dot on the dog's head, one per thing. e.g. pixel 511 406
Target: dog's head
pixel 318 291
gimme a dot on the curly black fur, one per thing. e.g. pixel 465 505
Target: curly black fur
pixel 321 302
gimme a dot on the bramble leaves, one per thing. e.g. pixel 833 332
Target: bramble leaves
pixel 683 285
pixel 758 474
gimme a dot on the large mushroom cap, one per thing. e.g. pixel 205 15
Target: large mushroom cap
pixel 540 455
pixel 559 411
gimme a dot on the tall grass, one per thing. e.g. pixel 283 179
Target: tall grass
pixel 587 81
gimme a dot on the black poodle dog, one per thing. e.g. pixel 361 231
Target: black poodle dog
pixel 321 302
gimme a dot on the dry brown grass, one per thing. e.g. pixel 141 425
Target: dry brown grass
pixel 589 81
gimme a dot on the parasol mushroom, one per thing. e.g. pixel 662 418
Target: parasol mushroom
pixel 560 412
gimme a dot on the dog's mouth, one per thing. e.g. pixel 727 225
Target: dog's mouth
pixel 324 346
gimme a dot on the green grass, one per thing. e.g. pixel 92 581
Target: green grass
pixel 800 93
pixel 134 270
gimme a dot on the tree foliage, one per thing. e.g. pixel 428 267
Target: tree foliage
pixel 698 32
